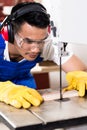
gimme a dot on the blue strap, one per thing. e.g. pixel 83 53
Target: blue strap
pixel 18 73
pixel 2 46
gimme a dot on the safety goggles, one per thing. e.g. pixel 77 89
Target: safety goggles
pixel 25 42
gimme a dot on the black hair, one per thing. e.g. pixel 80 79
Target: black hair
pixel 35 18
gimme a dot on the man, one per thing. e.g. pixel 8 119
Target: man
pixel 27 42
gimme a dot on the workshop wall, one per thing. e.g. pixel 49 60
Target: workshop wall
pixel 54 7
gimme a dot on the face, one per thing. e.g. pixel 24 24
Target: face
pixel 29 41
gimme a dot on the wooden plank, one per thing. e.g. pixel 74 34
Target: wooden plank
pixel 52 94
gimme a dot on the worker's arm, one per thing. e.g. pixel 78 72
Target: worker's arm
pixel 74 64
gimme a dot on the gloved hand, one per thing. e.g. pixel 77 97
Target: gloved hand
pixel 19 96
pixel 77 80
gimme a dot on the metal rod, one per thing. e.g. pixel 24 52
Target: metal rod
pixel 61 97
pixel 61 53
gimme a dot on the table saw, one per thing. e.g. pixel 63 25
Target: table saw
pixel 51 114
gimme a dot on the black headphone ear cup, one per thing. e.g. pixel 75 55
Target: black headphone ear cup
pixel 10 33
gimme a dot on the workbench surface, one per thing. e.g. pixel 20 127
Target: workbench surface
pixel 45 66
pixel 49 115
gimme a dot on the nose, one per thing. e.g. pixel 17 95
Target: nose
pixel 35 48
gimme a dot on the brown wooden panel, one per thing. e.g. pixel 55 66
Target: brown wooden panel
pixel 13 2
pixel 42 80
pixel 2 16
pixel 7 2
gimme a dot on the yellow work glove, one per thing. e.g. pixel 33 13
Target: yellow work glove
pixel 19 96
pixel 77 80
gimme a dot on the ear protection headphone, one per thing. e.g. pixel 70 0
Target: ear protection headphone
pixel 6 26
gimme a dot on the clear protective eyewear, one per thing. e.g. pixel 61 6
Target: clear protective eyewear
pixel 25 42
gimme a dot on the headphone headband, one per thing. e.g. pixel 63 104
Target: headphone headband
pixel 6 26
pixel 26 9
